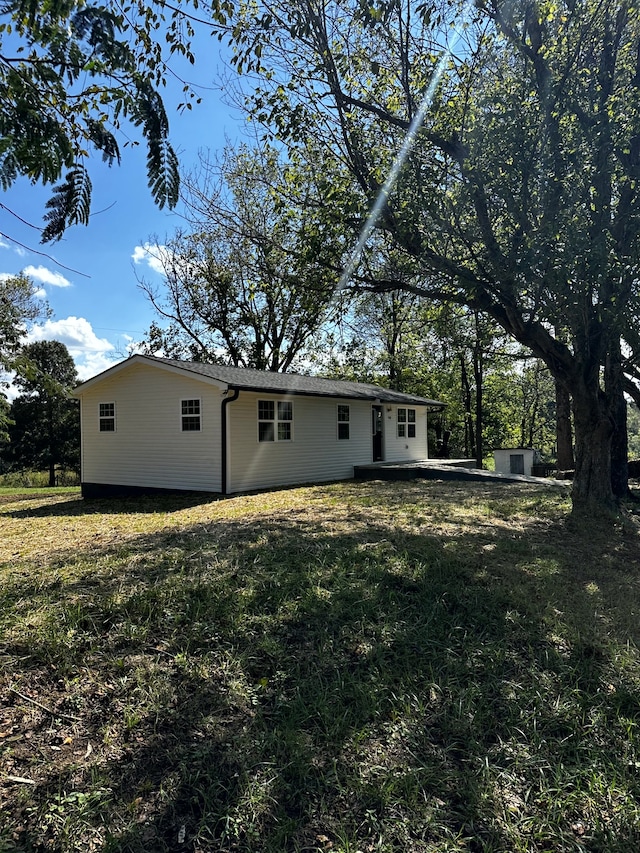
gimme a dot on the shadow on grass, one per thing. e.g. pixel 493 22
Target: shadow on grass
pixel 76 505
pixel 295 682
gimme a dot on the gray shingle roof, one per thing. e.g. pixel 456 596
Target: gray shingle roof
pixel 259 380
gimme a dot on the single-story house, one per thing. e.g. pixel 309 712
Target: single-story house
pixel 156 423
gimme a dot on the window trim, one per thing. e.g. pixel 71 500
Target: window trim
pixel 342 422
pixel 102 419
pixel 197 414
pixel 276 421
pixel 406 423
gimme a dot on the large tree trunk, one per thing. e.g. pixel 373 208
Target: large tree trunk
pixel 51 448
pixel 614 384
pixel 469 436
pixel 620 449
pixel 478 377
pixel 564 435
pixel 592 492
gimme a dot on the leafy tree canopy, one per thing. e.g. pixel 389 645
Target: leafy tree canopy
pixel 45 428
pixel 71 73
pixel 18 307
pixel 243 284
pixel 53 372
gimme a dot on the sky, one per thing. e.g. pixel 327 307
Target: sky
pixel 89 277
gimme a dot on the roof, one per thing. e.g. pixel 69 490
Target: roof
pixel 247 379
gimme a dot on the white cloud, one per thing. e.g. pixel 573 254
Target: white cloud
pixel 46 276
pixel 90 353
pixel 91 365
pixel 75 333
pixel 7 244
pixel 152 254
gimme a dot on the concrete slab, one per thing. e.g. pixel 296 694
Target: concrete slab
pixel 439 469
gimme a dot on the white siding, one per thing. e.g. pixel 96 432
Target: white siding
pixel 148 447
pixel 404 449
pixel 314 455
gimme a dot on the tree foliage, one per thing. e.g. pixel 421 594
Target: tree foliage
pixel 18 307
pixel 45 428
pixel 242 284
pixel 71 73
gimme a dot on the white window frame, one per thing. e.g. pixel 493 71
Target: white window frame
pixel 184 414
pixel 342 421
pixel 406 422
pixel 411 423
pixel 102 418
pixel 276 421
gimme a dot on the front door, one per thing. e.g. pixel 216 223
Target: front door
pixel 516 463
pixel 376 431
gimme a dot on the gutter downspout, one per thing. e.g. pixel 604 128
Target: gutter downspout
pixel 223 438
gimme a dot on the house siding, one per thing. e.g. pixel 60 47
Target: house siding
pixel 148 447
pixel 315 454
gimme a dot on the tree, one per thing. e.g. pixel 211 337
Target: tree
pixel 520 197
pixel 374 339
pixel 18 308
pixel 70 74
pixel 495 396
pixel 243 284
pixel 46 422
pixel 5 420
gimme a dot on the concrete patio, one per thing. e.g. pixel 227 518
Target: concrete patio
pixel 444 469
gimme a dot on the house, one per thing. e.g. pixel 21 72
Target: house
pixel 156 423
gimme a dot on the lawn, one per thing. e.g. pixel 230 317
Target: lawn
pixel 419 667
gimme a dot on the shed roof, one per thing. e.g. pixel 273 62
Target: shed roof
pixel 265 381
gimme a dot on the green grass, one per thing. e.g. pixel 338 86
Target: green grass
pixel 21 480
pixel 355 667
pixel 37 491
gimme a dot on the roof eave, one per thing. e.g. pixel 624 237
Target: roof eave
pixel 347 394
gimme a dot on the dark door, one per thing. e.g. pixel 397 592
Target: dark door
pixel 516 463
pixel 376 430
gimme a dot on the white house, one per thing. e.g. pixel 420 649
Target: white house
pixel 156 423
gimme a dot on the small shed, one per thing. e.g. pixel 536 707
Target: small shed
pixel 515 460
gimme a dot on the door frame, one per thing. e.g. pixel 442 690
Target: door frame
pixel 377 433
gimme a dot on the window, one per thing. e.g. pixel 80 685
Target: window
pixel 190 414
pixel 275 420
pixel 107 417
pixel 406 423
pixel 411 423
pixel 343 422
pixel 266 420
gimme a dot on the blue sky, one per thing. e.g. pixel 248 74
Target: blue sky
pixel 89 277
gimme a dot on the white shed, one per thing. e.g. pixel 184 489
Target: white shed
pixel 161 424
pixel 515 460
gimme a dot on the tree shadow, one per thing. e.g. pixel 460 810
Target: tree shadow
pixel 76 505
pixel 284 684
